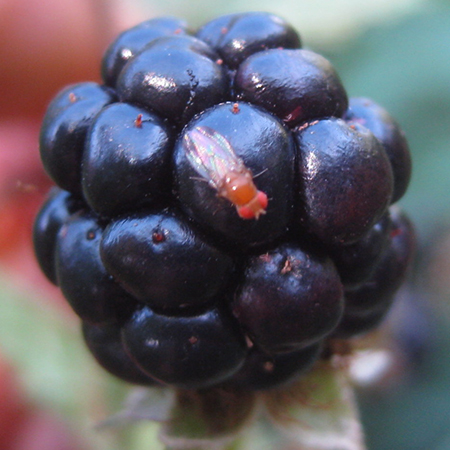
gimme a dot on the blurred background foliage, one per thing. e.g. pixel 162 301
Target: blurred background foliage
pixel 396 52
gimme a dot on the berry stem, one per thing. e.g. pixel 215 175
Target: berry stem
pixel 318 412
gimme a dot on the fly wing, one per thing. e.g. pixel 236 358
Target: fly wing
pixel 211 155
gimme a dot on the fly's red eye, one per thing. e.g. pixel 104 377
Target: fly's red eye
pixel 246 212
pixel 262 199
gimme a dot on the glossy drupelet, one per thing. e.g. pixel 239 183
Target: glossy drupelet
pixel 356 262
pixel 262 371
pixel 132 41
pixel 56 210
pixel 237 36
pixel 267 149
pixel 105 343
pixel 345 180
pixel 305 84
pixel 162 261
pixel 132 145
pixel 153 79
pixel 91 291
pixel 384 127
pixel 194 351
pixel 223 208
pixel 64 130
pixel 296 287
pixel 367 304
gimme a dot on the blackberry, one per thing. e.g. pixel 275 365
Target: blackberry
pixel 388 132
pixel 290 298
pixel 130 144
pixel 237 36
pixel 105 343
pixel 337 211
pixel 91 291
pixel 263 143
pixel 223 208
pixel 153 79
pixel 305 85
pixel 56 210
pixel 356 262
pixel 367 304
pixel 192 351
pixel 162 261
pixel 262 371
pixel 64 130
pixel 132 41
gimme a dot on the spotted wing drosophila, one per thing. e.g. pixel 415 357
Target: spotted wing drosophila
pixel 213 158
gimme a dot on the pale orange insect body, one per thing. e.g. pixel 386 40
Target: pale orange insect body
pixel 212 156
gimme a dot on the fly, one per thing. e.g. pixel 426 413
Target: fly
pixel 213 157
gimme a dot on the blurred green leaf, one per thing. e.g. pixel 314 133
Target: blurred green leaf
pixel 327 22
pixel 56 369
pixel 143 404
pixel 406 69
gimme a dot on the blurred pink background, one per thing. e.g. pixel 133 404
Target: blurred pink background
pixel 44 45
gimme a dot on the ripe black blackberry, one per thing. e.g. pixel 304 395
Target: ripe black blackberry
pixel 223 208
